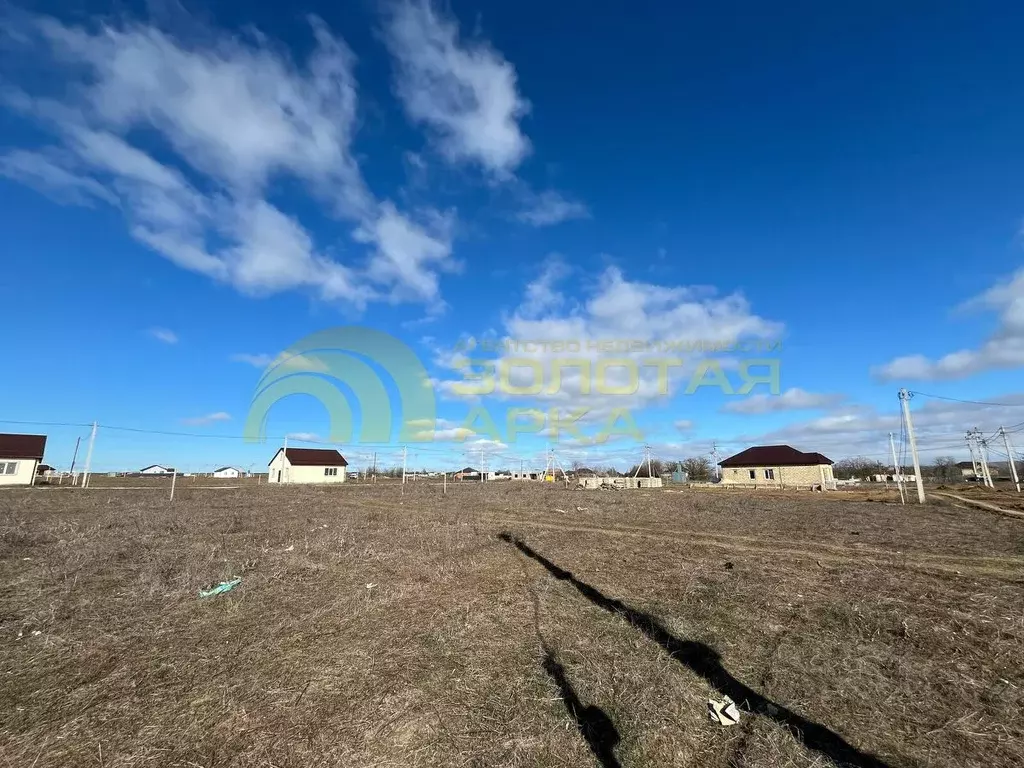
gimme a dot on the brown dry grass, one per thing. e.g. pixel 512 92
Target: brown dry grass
pixel 895 631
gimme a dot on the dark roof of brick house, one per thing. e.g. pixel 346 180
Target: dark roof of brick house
pixel 775 456
pixel 313 457
pixel 22 446
pixel 468 471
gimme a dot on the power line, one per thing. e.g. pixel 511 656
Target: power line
pixel 968 402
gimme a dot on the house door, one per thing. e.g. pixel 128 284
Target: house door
pixel 279 475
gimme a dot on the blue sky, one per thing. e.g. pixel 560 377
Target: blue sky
pixel 187 190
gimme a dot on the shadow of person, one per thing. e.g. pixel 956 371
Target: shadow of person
pixel 593 723
pixel 706 662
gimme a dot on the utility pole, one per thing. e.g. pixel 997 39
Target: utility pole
pixel 74 458
pixel 649 474
pixel 896 469
pixel 1009 456
pixel 714 459
pixel 405 453
pixel 284 461
pixel 905 402
pixel 174 477
pixel 640 465
pixel 974 457
pixel 482 471
pixel 88 456
pixel 374 467
pixel 984 463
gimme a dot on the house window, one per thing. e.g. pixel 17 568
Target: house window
pixel 9 468
pixel 769 474
pixel 753 474
pixel 330 471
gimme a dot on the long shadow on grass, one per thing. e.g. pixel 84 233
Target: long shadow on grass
pixel 594 725
pixel 705 661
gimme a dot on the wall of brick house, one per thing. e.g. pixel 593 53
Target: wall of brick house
pixel 785 477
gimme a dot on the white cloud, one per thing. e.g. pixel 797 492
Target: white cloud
pixel 542 294
pixel 236 115
pixel 465 92
pixel 864 430
pixel 683 425
pixel 614 309
pixel 304 437
pixel 298 362
pixel 793 399
pixel 52 178
pixel 407 254
pixel 550 207
pixel 257 361
pixel 1004 349
pixel 164 335
pixel 211 418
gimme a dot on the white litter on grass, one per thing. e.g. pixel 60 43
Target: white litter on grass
pixel 560 510
pixel 723 712
pixel 370 586
pixel 289 549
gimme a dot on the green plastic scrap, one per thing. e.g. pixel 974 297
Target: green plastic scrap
pixel 224 586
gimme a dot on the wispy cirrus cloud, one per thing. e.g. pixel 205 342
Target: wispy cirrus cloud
pixel 304 437
pixel 233 114
pixel 794 399
pixel 550 207
pixel 210 418
pixel 164 335
pixel 262 360
pixel 466 95
pixel 1003 350
pixel 464 92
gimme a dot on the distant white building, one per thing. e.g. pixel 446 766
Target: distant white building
pixel 156 469
pixel 893 478
pixel 307 465
pixel 228 472
pixel 20 456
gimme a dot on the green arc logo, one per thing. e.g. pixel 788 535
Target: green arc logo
pixel 307 367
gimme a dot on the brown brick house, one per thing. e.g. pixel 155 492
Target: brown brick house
pixel 778 466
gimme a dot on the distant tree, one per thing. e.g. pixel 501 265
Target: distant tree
pixel 698 468
pixel 859 467
pixel 640 470
pixel 944 470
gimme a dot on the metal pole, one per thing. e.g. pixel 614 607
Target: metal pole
pixel 284 461
pixel 404 454
pixel 896 469
pixel 174 478
pixel 905 402
pixel 445 491
pixel 1009 456
pixel 88 456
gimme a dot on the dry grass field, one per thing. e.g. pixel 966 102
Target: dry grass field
pixel 505 625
